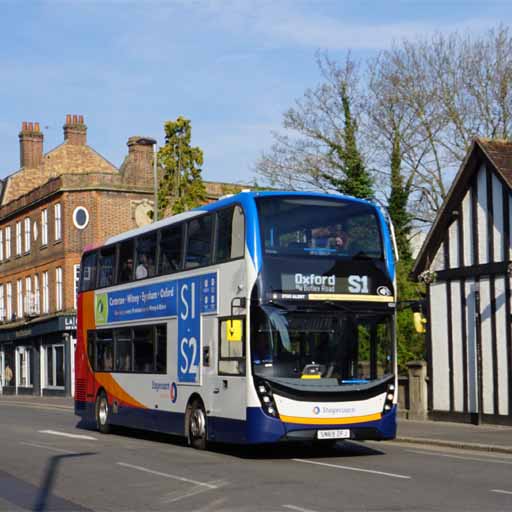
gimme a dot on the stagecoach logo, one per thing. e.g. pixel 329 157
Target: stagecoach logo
pixel 174 393
pixel 315 283
pixel 384 290
pixel 101 308
pixel 333 411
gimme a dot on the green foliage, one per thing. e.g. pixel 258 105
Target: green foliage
pixel 397 203
pixel 357 181
pixel 410 344
pixel 181 185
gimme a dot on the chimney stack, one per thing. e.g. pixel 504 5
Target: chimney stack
pixel 75 131
pixel 31 145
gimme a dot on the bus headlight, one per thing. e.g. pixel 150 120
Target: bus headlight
pixel 390 395
pixel 266 399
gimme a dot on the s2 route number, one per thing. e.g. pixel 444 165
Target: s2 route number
pixel 189 332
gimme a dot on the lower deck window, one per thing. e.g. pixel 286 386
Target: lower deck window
pixel 138 349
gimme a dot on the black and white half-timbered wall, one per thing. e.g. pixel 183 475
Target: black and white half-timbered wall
pixel 467 253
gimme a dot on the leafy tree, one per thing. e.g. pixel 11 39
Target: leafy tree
pixel 181 185
pixel 410 344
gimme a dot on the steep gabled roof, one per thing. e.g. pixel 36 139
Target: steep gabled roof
pixel 498 153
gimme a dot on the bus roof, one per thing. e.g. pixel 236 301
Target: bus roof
pixel 244 198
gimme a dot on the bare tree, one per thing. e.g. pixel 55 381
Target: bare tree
pixel 319 148
pixel 434 96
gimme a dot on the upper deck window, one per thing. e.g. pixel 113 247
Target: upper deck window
pixel 230 234
pixel 88 272
pixel 199 242
pixel 318 227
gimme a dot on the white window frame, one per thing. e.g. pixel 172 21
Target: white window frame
pixel 76 275
pixel 25 362
pixel 8 306
pixel 46 381
pixel 2 304
pixel 19 301
pixel 57 211
pixel 44 226
pixel 37 293
pixel 1 245
pixel 46 294
pixel 18 239
pixel 58 289
pixel 28 294
pixel 27 234
pixel 7 242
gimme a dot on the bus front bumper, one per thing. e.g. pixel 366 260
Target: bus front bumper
pixel 262 428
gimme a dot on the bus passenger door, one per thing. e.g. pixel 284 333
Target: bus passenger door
pixel 229 386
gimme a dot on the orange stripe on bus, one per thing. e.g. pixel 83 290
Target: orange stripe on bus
pixel 106 380
pixel 331 421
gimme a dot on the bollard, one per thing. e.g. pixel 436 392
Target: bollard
pixel 418 392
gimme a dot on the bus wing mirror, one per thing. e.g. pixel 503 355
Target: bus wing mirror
pixel 234 330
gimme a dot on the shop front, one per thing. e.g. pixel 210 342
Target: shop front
pixel 38 358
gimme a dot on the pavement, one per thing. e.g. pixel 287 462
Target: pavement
pixel 488 438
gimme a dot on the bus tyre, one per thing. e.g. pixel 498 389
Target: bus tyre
pixel 102 413
pixel 197 426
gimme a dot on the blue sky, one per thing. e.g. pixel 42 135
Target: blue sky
pixel 232 66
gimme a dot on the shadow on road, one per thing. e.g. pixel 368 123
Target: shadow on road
pixel 297 450
pixel 48 482
pixel 287 450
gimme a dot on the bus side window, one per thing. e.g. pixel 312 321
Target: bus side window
pixel 104 351
pixel 143 349
pixel 171 243
pixel 161 348
pixel 106 264
pixel 124 357
pixel 88 272
pixel 230 234
pixel 199 242
pixel 125 265
pixel 231 346
pixel 145 265
pixel 91 342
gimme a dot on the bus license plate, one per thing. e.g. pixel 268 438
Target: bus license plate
pixel 334 434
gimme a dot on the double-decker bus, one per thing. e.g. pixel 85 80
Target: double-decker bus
pixel 262 317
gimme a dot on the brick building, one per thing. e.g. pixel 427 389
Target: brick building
pixel 50 209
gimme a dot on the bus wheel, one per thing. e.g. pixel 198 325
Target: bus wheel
pixel 197 426
pixel 102 413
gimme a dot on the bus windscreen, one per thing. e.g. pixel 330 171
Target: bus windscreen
pixel 319 227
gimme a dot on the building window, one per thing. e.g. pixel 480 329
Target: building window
pixel 8 308
pixel 36 294
pixel 58 221
pixel 7 242
pixel 2 303
pixel 1 245
pixel 29 298
pixel 46 294
pixel 80 217
pixel 76 273
pixel 58 288
pixel 54 366
pixel 18 238
pixel 24 368
pixel 19 290
pixel 44 227
pixel 27 235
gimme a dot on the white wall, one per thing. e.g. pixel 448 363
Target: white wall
pixel 439 329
